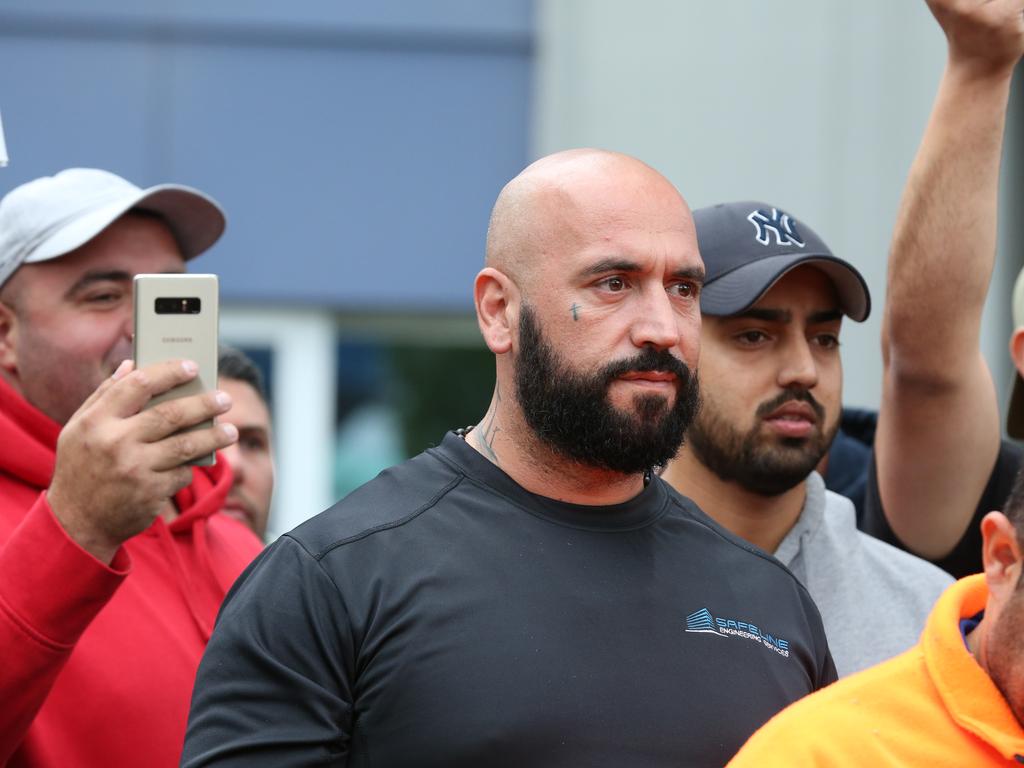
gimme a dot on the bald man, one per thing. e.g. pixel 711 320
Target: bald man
pixel 528 592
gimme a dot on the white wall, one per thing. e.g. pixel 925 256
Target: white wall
pixel 815 105
pixel 303 346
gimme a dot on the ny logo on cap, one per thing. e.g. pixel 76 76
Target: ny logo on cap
pixel 777 222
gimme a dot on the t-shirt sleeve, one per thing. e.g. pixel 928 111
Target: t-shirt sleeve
pixel 828 671
pixel 965 558
pixel 274 686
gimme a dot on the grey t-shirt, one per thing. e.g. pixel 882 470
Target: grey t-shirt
pixel 873 598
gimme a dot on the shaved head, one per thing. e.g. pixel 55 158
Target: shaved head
pixel 551 204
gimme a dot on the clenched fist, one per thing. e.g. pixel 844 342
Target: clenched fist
pixel 985 35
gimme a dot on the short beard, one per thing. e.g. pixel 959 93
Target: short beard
pixel 1004 650
pixel 764 469
pixel 570 411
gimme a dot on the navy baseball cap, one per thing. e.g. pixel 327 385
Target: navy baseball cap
pixel 747 246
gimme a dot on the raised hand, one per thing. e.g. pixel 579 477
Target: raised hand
pixel 118 465
pixel 983 34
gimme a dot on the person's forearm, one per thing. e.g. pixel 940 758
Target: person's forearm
pixel 944 243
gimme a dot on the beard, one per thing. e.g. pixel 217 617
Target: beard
pixel 570 412
pixel 760 465
pixel 1005 650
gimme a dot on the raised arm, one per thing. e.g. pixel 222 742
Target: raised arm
pixel 939 430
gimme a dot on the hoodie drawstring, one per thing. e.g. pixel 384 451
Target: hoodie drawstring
pixel 184 582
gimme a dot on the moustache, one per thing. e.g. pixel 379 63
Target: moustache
pixel 649 359
pixel 791 395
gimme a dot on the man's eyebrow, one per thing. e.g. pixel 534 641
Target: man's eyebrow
pixel 113 276
pixel 825 316
pixel 618 264
pixel 690 273
pixel 610 264
pixel 785 316
pixel 768 315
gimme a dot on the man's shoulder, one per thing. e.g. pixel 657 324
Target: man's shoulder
pixel 725 547
pixel 233 538
pixel 907 567
pixel 877 554
pixel 396 496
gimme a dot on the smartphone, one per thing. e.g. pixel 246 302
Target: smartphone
pixel 175 317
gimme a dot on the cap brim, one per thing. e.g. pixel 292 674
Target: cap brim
pixel 195 220
pixel 737 291
pixel 1015 411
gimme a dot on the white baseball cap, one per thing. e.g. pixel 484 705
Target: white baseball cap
pixel 51 216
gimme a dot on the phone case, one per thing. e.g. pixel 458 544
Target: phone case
pixel 170 325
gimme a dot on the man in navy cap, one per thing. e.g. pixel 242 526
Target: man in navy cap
pixel 938 457
pixel 771 379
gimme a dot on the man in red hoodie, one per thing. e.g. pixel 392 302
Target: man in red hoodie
pixel 113 561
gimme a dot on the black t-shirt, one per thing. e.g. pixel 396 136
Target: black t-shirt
pixel 965 557
pixel 441 615
pixel 851 472
pixel 850 454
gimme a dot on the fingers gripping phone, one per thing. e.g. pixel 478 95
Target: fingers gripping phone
pixel 176 318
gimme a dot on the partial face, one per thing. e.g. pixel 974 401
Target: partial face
pixel 251 458
pixel 609 324
pixel 998 642
pixel 68 321
pixel 1005 649
pixel 771 383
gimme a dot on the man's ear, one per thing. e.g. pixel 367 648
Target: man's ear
pixel 1000 554
pixel 1017 349
pixel 496 297
pixel 8 339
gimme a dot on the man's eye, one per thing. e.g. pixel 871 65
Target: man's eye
pixel 254 442
pixel 686 290
pixel 103 298
pixel 828 341
pixel 752 337
pixel 615 284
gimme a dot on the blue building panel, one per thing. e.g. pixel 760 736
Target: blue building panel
pixel 357 155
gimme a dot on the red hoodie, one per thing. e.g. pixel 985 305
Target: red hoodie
pixel 97 662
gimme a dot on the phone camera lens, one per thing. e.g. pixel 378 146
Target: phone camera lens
pixel 178 306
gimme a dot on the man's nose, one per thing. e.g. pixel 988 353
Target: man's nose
pixel 799 368
pixel 128 323
pixel 233 457
pixel 656 323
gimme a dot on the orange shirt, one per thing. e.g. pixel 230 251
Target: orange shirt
pixel 931 706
